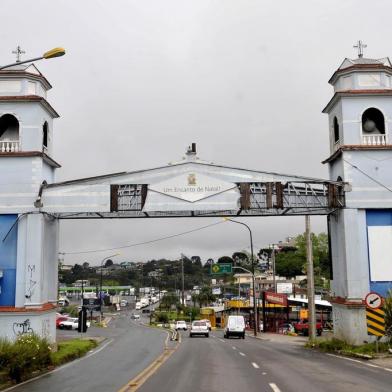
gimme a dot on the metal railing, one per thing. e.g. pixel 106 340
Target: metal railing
pixel 9 146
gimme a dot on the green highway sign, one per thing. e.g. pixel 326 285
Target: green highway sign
pixel 224 268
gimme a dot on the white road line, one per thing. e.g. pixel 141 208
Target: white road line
pixel 274 387
pixel 242 354
pixel 255 365
pixel 222 340
pixel 234 348
pixel 361 362
pixel 264 373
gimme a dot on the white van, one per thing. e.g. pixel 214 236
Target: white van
pixel 235 326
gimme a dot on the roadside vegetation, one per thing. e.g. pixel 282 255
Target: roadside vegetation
pixel 31 355
pixel 341 347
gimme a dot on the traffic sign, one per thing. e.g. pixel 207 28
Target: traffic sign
pixel 375 321
pixel 373 300
pixel 223 268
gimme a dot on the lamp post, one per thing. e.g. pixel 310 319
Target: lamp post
pixel 100 285
pixel 56 52
pixel 255 309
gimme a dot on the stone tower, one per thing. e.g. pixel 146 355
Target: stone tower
pixel 28 238
pixel 360 126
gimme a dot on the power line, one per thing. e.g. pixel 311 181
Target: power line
pixel 368 175
pixel 144 242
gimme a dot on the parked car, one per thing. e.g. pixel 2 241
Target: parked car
pixel 181 325
pixel 286 328
pixel 71 323
pixel 146 311
pixel 235 326
pixel 135 316
pixel 208 323
pixel 199 328
pixel 123 303
pixel 60 319
pixel 303 327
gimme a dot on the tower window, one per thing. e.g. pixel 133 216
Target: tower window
pixel 335 130
pixel 373 122
pixel 45 134
pixel 9 128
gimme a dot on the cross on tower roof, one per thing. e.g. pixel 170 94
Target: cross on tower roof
pixel 360 46
pixel 18 51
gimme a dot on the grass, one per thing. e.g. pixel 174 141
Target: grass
pixel 341 347
pixel 72 349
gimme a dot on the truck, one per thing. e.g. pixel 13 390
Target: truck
pixel 303 327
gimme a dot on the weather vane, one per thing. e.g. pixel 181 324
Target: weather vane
pixel 360 46
pixel 18 51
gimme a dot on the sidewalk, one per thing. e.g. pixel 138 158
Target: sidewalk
pixel 279 338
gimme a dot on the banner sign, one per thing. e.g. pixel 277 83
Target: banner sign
pixel 275 298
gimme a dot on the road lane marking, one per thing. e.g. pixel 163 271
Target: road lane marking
pixel 255 365
pixel 234 348
pixel 146 373
pixel 274 387
pixel 242 354
pixel 222 340
pixel 264 373
pixel 361 362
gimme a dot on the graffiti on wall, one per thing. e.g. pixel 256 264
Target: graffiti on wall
pixel 31 283
pixel 22 328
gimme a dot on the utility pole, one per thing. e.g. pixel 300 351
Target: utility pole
pixel 273 267
pixel 183 280
pixel 310 278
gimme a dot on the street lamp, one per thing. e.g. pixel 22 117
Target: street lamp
pixel 56 52
pixel 100 291
pixel 255 309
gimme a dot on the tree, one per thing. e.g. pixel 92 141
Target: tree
pixel 225 259
pixel 289 264
pixel 108 263
pixel 388 315
pixel 85 265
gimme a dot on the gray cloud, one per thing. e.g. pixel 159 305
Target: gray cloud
pixel 141 80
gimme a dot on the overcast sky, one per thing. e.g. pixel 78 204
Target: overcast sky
pixel 142 79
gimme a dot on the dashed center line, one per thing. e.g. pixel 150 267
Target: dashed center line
pixel 274 387
pixel 255 365
pixel 264 373
pixel 242 354
pixel 234 348
pixel 222 340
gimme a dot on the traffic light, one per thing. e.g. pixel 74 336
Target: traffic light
pixel 82 320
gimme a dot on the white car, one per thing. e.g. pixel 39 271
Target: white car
pixel 208 323
pixel 199 328
pixel 71 323
pixel 181 325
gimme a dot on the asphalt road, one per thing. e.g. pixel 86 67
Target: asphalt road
pixel 127 350
pixel 215 364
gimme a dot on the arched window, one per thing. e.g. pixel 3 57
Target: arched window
pixel 373 122
pixel 45 132
pixel 335 130
pixel 9 128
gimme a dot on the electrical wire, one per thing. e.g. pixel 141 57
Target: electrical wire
pixel 142 243
pixel 368 175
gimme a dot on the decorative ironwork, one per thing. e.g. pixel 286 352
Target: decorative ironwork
pixel 255 199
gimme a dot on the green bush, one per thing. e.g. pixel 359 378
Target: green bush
pixel 5 353
pixel 72 310
pixel 28 354
pixel 340 346
pixel 71 349
pixel 162 318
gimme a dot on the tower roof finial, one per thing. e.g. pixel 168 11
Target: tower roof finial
pixel 360 46
pixel 18 51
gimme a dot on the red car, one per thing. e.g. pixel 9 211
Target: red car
pixel 59 319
